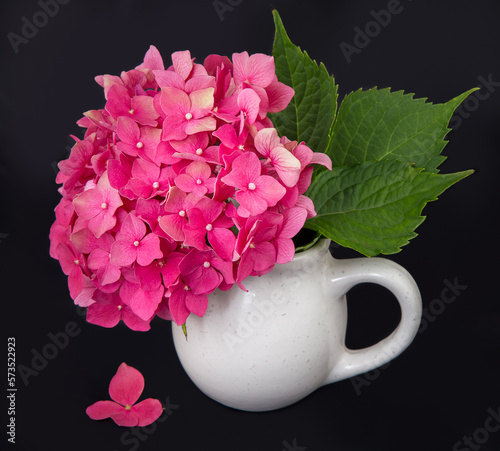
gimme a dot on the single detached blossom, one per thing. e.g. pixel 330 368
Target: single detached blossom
pixel 125 389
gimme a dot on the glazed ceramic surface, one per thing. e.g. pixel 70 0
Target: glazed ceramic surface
pixel 271 346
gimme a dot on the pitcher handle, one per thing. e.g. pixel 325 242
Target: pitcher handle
pixel 396 279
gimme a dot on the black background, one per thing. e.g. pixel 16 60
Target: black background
pixel 443 387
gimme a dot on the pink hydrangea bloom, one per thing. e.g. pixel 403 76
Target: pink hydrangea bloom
pixel 180 186
pixel 125 388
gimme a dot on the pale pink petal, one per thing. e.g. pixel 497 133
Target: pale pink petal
pixel 265 140
pixel 183 63
pixel 286 165
pixel 202 101
pixel 204 124
pixel 169 79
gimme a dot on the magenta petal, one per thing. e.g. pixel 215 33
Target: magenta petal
pixel 177 306
pixel 147 411
pixel 128 130
pixel 125 418
pixel 126 386
pixel 123 253
pixel 144 303
pixel 103 409
pixel 196 303
pixel 104 315
pixel 223 242
pixel 133 322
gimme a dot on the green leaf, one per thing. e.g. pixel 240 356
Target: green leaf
pixel 310 115
pixel 374 207
pixel 383 125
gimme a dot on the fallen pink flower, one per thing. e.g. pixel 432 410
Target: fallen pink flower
pixel 125 388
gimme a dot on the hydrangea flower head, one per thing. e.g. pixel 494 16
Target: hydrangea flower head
pixel 180 186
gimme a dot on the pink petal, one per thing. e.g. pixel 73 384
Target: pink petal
pixel 249 101
pixel 127 130
pixel 205 124
pixel 144 303
pixel 133 229
pixel 125 418
pixel 147 411
pixel 293 221
pixel 323 159
pixel 202 101
pixel 123 253
pixel 260 69
pixel 182 62
pixel 286 250
pixel 126 386
pixel 174 128
pixel 153 59
pixel 177 306
pixel 174 102
pixel 279 96
pixel 149 249
pixel 286 165
pixel 104 315
pixel 223 242
pixel 266 140
pixel 133 322
pixel 169 79
pixel 103 409
pixel 196 303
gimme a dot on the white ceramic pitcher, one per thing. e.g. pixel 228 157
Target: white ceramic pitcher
pixel 275 344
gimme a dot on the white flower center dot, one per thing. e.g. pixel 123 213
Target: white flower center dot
pixel 156 185
pixel 131 111
pixel 188 116
pixel 76 262
pixel 199 151
pixel 186 288
pixel 252 246
pixel 119 307
pixel 251 186
pixel 136 243
pixel 182 213
pixel 241 147
pixel 209 227
pixel 206 264
pixel 104 205
pixel 199 182
pixel 139 145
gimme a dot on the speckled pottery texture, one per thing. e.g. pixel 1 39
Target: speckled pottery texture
pixel 275 344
